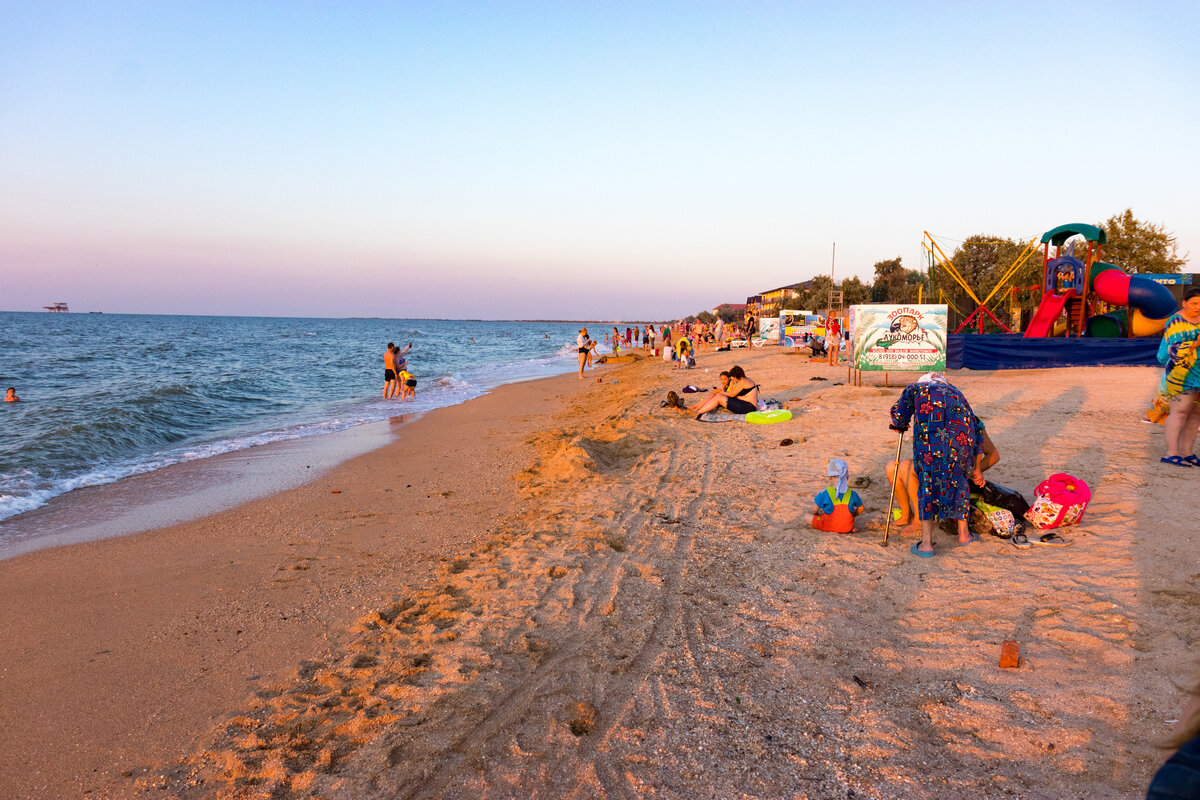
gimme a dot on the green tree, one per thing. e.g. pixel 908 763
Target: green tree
pixel 982 260
pixel 854 291
pixel 1141 246
pixel 707 317
pixel 895 284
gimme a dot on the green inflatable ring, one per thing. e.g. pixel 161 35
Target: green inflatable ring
pixel 767 417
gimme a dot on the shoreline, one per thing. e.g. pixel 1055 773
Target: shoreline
pixel 584 594
pixel 153 635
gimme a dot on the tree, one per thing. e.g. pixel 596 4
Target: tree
pixel 855 292
pixel 707 317
pixel 894 283
pixel 1141 246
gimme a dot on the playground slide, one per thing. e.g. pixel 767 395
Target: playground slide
pixel 1152 303
pixel 1051 306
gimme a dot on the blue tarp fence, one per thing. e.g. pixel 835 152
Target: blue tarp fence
pixel 1014 351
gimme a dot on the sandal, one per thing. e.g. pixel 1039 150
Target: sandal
pixel 1193 459
pixel 916 551
pixel 1020 541
pixel 1177 461
pixel 1052 540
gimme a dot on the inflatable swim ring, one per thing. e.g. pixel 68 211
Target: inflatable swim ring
pixel 766 417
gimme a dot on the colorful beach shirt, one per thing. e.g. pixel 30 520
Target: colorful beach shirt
pixel 1177 352
pixel 947 436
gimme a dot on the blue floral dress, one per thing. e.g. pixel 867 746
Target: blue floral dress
pixel 947 438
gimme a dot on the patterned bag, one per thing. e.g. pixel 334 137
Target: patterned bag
pixel 987 518
pixel 1061 501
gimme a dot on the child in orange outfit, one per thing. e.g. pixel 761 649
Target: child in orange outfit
pixel 837 506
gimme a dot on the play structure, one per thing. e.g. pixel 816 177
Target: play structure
pixel 1073 290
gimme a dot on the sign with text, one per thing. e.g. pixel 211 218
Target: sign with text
pixel 904 338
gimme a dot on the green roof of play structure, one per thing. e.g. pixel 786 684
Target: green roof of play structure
pixel 1064 232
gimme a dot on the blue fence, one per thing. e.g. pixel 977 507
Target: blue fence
pixel 1004 351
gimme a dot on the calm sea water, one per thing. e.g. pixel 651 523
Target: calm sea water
pixel 108 396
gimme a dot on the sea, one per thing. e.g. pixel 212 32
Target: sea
pixel 109 396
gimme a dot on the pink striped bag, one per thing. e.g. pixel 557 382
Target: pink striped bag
pixel 1061 501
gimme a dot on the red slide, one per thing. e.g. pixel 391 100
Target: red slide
pixel 1051 306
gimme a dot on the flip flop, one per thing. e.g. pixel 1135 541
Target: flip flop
pixel 974 538
pixel 917 552
pixel 1176 461
pixel 1052 540
pixel 1193 459
pixel 1020 541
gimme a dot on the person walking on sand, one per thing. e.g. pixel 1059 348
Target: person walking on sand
pixel 583 342
pixel 947 444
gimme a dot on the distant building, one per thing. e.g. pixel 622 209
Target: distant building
pixel 737 309
pixel 773 301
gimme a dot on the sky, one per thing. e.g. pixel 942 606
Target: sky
pixel 563 160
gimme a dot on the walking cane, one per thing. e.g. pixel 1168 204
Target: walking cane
pixel 892 497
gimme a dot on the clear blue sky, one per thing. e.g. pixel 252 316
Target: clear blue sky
pixel 568 160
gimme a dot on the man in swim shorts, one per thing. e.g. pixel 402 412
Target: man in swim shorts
pixel 389 371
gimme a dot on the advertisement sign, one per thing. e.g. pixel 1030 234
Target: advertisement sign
pixel 768 329
pixel 1167 279
pixel 903 338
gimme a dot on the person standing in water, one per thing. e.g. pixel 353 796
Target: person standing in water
pixel 11 395
pixel 583 342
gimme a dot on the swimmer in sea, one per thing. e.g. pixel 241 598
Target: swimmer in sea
pixel 11 395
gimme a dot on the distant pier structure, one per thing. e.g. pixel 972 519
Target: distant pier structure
pixel 57 308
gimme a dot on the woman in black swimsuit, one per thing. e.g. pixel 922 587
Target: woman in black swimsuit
pixel 739 397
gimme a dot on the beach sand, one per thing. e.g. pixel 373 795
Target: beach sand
pixel 584 595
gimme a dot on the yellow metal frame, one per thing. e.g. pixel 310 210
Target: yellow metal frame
pixel 940 257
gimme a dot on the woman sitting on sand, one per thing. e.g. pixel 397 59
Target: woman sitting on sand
pixel 738 394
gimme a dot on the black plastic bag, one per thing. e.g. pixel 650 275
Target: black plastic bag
pixel 996 495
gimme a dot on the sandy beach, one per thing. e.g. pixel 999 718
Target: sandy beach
pixel 562 590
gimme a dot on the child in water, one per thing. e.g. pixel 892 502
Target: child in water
pixel 11 395
pixel 408 384
pixel 838 505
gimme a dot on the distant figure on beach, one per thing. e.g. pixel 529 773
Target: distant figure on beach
pixel 947 446
pixel 837 506
pixel 407 384
pixel 646 337
pixel 11 395
pixel 720 332
pixel 833 340
pixel 389 371
pixel 584 343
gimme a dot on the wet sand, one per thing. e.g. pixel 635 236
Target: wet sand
pixel 584 595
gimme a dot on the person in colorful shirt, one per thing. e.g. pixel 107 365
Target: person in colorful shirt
pixel 947 449
pixel 1178 401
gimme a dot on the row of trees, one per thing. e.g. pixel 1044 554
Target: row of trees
pixel 982 259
